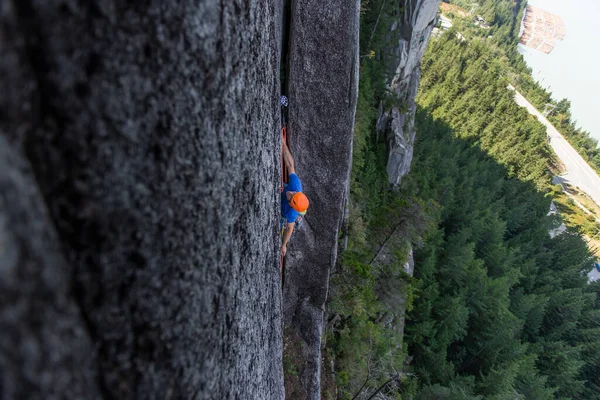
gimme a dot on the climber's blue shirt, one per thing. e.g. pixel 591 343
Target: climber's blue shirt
pixel 287 211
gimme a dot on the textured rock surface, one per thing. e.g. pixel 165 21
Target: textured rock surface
pixel 391 284
pixel 151 131
pixel 43 332
pixel 323 72
pixel 411 34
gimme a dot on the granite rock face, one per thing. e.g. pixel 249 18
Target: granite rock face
pixel 148 130
pixel 408 37
pixel 45 349
pixel 391 285
pixel 323 89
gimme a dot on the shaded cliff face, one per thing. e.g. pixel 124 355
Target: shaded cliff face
pixel 148 133
pixel 44 337
pixel 323 77
pixel 411 36
pixel 323 85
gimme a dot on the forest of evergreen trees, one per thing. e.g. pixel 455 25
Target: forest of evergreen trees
pixel 497 309
pixel 503 309
pixel 504 17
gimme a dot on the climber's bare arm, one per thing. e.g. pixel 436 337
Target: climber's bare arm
pixel 289 228
pixel 288 159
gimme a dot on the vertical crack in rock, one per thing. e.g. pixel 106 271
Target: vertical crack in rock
pixel 323 89
pixel 286 21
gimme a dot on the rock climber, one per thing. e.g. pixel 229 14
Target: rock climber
pixel 293 201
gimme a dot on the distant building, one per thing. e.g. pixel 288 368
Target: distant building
pixel 561 228
pixel 479 21
pixel 594 274
pixel 553 209
pixel 541 29
pixel 445 23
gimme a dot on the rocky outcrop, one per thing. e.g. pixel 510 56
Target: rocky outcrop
pixel 392 284
pixel 323 85
pixel 148 133
pixel 408 40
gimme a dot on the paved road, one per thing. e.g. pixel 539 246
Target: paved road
pixel 579 173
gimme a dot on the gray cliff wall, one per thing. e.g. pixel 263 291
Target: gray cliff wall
pixel 410 38
pixel 323 88
pixel 412 34
pixel 44 337
pixel 139 171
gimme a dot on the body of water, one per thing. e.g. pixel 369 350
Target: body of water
pixel 571 69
